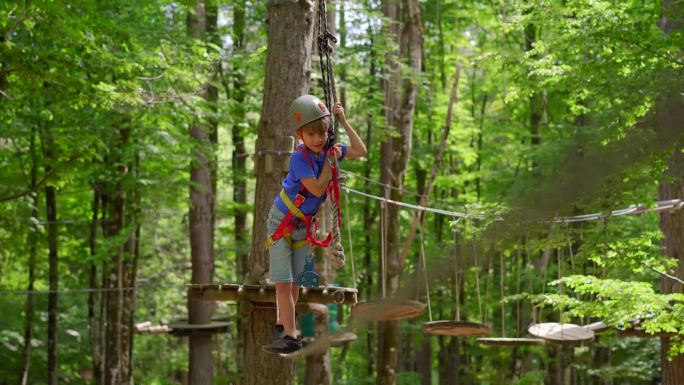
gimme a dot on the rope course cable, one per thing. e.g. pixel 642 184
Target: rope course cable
pixel 669 205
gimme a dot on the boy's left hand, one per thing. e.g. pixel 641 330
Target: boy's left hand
pixel 338 111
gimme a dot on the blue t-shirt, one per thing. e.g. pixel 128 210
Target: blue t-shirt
pixel 300 168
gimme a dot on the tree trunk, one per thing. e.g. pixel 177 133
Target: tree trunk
pixel 94 299
pixel 201 218
pixel 368 214
pixel 535 99
pixel 400 100
pixel 117 337
pixel 239 168
pixel 130 271
pixel 287 77
pixel 32 244
pixel 53 274
pixel 672 226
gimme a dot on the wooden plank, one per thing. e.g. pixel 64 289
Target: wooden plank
pixel 266 294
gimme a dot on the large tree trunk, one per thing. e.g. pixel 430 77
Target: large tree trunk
pixel 201 218
pixel 400 100
pixel 287 77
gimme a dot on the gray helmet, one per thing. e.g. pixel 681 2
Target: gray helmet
pixel 306 109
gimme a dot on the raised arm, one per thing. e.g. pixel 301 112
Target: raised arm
pixel 356 147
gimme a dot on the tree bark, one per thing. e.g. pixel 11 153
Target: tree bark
pixel 116 336
pixel 95 320
pixel 201 219
pixel 287 77
pixel 32 244
pixel 239 167
pixel 672 224
pixel 368 214
pixel 535 99
pixel 400 99
pixel 53 260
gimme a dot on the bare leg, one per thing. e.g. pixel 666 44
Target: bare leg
pixel 286 307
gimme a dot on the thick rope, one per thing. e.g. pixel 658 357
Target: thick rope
pixel 351 248
pixel 326 40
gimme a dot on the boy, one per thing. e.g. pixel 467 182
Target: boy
pixel 303 193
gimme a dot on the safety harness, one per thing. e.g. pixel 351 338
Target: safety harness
pixel 288 224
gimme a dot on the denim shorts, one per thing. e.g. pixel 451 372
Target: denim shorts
pixel 286 262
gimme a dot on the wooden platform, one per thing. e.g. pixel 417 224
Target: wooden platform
pixel 456 328
pixel 387 309
pixel 266 294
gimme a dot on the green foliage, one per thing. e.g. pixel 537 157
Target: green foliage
pixel 117 82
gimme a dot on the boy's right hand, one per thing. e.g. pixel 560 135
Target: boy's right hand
pixel 337 150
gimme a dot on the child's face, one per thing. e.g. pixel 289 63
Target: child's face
pixel 313 139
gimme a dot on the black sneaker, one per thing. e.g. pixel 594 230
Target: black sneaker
pixel 283 345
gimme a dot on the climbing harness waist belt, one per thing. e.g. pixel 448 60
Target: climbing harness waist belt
pixel 287 224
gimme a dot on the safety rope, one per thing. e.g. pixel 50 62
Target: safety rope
pixel 351 248
pixel 326 42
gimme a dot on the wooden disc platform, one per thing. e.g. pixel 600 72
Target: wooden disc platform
pixel 558 332
pixel 147 328
pixel 266 293
pixel 597 327
pixel 512 342
pixel 456 328
pixel 340 338
pixel 388 309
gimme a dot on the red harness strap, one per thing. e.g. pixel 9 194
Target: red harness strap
pixel 287 226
